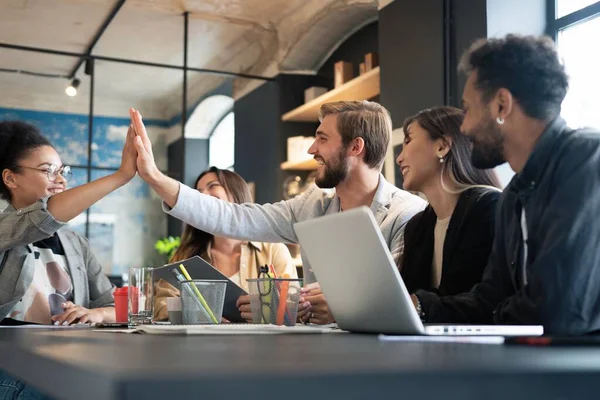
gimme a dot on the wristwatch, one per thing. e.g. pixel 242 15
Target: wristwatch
pixel 419 309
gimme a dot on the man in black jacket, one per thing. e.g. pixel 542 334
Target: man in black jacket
pixel 545 262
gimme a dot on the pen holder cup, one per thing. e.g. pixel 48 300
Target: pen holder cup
pixel 274 301
pixel 202 301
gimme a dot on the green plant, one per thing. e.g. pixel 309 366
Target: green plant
pixel 167 246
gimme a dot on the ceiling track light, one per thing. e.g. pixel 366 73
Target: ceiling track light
pixel 72 89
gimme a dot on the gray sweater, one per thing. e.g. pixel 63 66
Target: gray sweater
pixel 274 223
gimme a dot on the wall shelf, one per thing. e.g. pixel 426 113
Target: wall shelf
pixel 363 87
pixel 306 165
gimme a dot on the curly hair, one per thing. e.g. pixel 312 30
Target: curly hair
pixel 528 66
pixel 17 140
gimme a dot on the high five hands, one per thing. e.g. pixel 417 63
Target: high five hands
pixel 165 187
pixel 146 166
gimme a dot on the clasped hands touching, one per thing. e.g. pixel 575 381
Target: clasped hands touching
pixel 313 307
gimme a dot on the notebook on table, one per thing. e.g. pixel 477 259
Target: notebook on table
pixel 362 284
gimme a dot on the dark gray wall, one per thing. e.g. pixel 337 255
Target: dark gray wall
pixel 194 152
pixel 261 136
pixel 196 159
pixel 292 95
pixel 257 149
pixel 411 56
pixel 468 24
pixel 363 41
pixel 174 156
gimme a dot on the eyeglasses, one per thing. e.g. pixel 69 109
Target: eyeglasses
pixel 266 284
pixel 277 297
pixel 265 293
pixel 53 171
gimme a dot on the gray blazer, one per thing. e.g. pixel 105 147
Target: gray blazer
pixel 18 230
pixel 274 223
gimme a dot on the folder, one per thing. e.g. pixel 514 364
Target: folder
pixel 200 269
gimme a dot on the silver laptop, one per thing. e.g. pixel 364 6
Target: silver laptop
pixel 362 284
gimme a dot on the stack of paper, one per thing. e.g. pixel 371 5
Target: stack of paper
pixel 233 329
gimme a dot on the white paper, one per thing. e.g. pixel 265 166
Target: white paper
pixel 32 326
pixel 229 329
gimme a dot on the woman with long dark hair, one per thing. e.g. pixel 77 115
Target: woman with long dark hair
pixel 447 245
pixel 237 259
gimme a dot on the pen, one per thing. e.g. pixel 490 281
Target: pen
pixel 272 269
pixel 282 308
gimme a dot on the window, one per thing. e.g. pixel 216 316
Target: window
pixel 575 33
pixel 221 144
pixel 124 226
pixel 213 119
pixel 566 7
pixel 78 178
pixel 581 105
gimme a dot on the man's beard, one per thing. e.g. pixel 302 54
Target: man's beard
pixel 334 172
pixel 489 152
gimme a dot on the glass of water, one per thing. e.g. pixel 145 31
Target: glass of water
pixel 140 296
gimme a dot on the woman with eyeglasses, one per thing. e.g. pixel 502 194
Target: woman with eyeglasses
pixel 48 274
pixel 236 259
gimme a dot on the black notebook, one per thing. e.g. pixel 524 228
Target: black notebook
pixel 200 269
